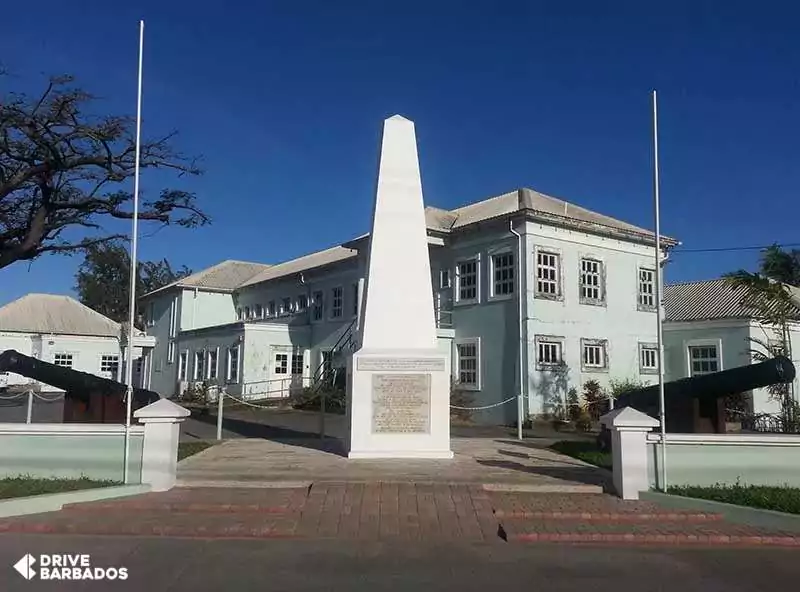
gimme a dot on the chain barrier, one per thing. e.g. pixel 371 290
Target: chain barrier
pixel 514 398
pixel 248 403
pixel 40 397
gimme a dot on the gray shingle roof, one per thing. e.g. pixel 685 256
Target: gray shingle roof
pixel 311 261
pixel 704 301
pixel 61 315
pixel 222 277
pixel 549 209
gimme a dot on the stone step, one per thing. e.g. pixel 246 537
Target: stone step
pixel 203 500
pixel 661 516
pixel 157 523
pixel 658 533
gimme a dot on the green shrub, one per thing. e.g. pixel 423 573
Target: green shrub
pixel 310 398
pixel 585 451
pixel 777 498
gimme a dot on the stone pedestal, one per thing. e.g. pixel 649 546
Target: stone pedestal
pixel 398 383
pixel 629 429
pixel 399 404
pixel 161 422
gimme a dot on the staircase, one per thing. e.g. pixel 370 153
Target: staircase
pixel 329 370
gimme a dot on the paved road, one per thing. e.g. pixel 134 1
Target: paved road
pixel 298 566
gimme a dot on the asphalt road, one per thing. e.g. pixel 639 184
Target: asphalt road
pixel 298 566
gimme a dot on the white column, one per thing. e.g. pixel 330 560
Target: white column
pixel 629 429
pixel 161 422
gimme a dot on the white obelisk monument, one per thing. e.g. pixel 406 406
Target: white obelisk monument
pixel 398 388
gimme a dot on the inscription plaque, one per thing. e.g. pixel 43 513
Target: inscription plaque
pixel 401 403
pixel 402 364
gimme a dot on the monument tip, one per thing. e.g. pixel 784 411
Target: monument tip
pixel 399 117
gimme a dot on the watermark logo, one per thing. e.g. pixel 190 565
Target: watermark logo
pixel 66 567
pixel 25 567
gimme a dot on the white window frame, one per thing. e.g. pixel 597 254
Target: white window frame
pixel 444 279
pixel 559 280
pixel 209 367
pixel 293 366
pixel 556 340
pixel 601 281
pixel 334 308
pixel 648 347
pixel 457 299
pixel 284 364
pixel 171 351
pixel 259 314
pixel 239 314
pixel 639 293
pixel 247 313
pixel 183 365
pixel 317 306
pixel 595 344
pixel 232 370
pixel 476 341
pixel 106 358
pixel 695 343
pixel 271 309
pixel 198 370
pixel 65 357
pixel 354 296
pixel 173 319
pixel 302 302
pixel 493 281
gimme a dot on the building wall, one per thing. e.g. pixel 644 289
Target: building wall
pixel 322 333
pixel 86 352
pixel 491 321
pixel 162 320
pixel 618 320
pixel 201 309
pixel 218 339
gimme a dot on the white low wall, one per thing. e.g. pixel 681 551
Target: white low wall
pixel 708 459
pixel 97 451
pixel 696 459
pixel 70 451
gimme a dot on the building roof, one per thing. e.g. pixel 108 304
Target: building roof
pixel 548 209
pixel 304 263
pixel 230 275
pixel 222 277
pixel 705 301
pixel 60 315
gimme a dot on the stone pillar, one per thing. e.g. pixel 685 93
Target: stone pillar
pixel 161 422
pixel 398 387
pixel 629 429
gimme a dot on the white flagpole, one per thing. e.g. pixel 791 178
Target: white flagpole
pixel 659 303
pixel 133 274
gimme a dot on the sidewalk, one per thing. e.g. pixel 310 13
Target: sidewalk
pixel 497 463
pixel 386 512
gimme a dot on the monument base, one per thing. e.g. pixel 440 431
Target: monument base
pixel 398 405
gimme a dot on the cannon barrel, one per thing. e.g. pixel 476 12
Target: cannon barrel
pixel 78 384
pixel 776 370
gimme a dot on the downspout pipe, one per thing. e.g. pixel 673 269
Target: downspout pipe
pixel 520 403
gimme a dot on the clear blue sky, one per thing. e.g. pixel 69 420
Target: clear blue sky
pixel 284 101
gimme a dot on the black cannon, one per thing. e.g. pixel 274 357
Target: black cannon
pixel 697 404
pixel 87 398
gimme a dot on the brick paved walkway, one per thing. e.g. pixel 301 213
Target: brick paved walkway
pixel 476 460
pixel 394 511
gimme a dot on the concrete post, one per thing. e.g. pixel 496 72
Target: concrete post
pixel 629 429
pixel 161 422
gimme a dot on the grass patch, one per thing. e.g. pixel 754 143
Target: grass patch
pixel 24 486
pixel 186 449
pixel 584 450
pixel 778 498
